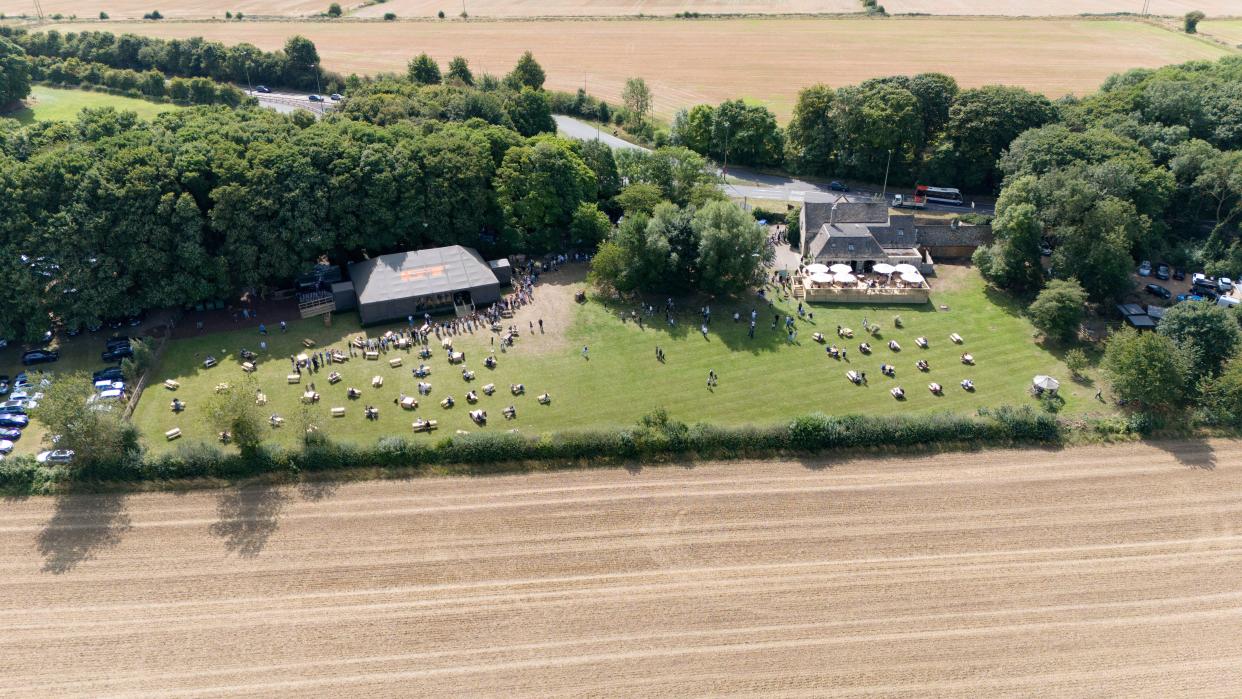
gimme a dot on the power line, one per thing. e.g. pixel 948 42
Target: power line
pixel 38 10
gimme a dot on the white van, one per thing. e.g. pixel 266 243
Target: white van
pixel 1228 301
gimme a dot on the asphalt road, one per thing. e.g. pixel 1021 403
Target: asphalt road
pixel 748 184
pixel 289 102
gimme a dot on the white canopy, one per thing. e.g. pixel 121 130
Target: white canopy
pixel 816 268
pixel 904 267
pixel 845 277
pixel 912 277
pixel 883 268
pixel 821 278
pixel 841 268
pixel 1047 383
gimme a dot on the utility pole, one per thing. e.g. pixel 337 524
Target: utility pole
pixel 884 194
pixel 38 10
pixel 725 169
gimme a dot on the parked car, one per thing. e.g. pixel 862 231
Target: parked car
pixel 136 320
pixel 1144 269
pixel 315 98
pixel 1045 249
pixel 95 327
pixel 838 186
pixel 263 88
pixel 59 456
pixel 116 354
pixel 121 341
pixel 112 373
pixel 335 97
pixel 6 446
pixel 19 421
pixel 1157 290
pixel 1162 272
pixel 108 385
pixel 13 407
pixel 3 343
pixel 10 433
pixel 5 386
pixel 40 356
pixel 1179 275
pixel 112 394
pixel 1225 284
pixel 1188 297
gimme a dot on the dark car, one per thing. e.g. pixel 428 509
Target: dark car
pixel 1157 290
pixel 10 433
pixel 112 373
pixel 114 342
pixel 116 354
pixel 263 88
pixel 18 421
pixel 315 98
pixel 135 320
pixel 838 186
pixel 1179 275
pixel 39 356
pixel 1162 272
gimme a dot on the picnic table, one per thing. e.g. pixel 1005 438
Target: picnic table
pixel 409 403
pixel 310 397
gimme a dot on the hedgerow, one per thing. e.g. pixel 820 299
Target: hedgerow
pixel 656 437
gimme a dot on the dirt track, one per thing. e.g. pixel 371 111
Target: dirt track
pixel 1086 572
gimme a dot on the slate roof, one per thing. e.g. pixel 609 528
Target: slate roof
pixel 402 275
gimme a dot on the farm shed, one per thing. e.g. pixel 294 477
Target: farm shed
pixel 401 284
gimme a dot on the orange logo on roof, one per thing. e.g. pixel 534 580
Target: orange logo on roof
pixel 410 275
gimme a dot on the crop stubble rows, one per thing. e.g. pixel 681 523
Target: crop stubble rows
pixel 1077 572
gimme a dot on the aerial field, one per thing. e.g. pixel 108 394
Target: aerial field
pixel 763 381
pixel 1229 30
pixel 1078 573
pixel 767 60
pixel 198 9
pixel 54 104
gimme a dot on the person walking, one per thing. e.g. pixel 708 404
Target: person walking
pixel 586 353
pixel 283 326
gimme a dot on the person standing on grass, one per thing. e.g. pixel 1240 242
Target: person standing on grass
pixel 586 353
pixel 283 326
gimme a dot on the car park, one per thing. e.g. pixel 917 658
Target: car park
pixel 59 456
pixel 39 356
pixel 6 446
pixel 838 186
pixel 1144 269
pixel 1162 272
pixel 1157 290
pixel 19 421
pixel 10 433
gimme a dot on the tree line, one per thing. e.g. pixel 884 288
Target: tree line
pixel 72 72
pixel 297 66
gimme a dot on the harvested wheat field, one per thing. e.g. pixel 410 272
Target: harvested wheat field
pixel 767 60
pixel 425 9
pixel 1085 572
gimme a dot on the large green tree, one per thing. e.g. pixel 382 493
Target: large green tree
pixel 527 73
pixel 982 123
pixel 539 187
pixel 1207 335
pixel 1059 309
pixel 1147 368
pixel 423 70
pixel 731 249
pixel 1012 262
pixel 14 73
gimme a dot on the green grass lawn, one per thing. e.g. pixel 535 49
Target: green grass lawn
pixel 763 380
pixel 54 104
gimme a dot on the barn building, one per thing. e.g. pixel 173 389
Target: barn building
pixel 396 286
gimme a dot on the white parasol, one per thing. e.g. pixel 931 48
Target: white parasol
pixel 904 267
pixel 883 268
pixel 821 278
pixel 845 277
pixel 1047 383
pixel 840 268
pixel 816 268
pixel 912 277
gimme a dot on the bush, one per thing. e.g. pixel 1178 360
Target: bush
pixel 1191 21
pixel 334 10
pixel 440 14
pixel 103 15
pixel 390 16
pixel 1076 361
pixel 154 14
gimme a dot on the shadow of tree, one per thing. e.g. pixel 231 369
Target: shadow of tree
pixel 319 489
pixel 81 527
pixel 1193 453
pixel 248 517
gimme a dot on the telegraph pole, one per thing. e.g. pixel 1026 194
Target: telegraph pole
pixel 884 194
